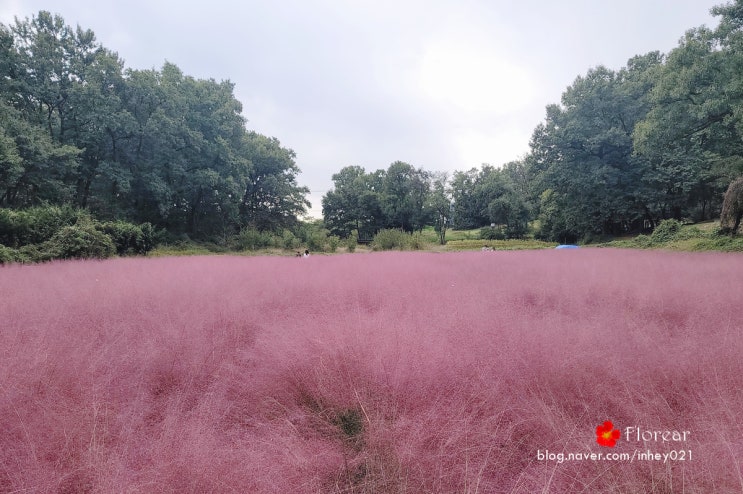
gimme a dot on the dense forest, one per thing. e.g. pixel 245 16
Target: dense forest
pixel 78 128
pixel 660 138
pixel 624 149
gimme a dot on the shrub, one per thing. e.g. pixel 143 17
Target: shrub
pixel 313 235
pixel 352 241
pixel 333 242
pixel 417 242
pixel 81 241
pixel 492 233
pixel 35 253
pixel 643 241
pixel 666 231
pixel 7 255
pixel 252 239
pixel 316 241
pixel 288 240
pixel 391 239
pixel 512 244
pixel 36 225
pixel 128 237
pixel 724 243
pixel 690 232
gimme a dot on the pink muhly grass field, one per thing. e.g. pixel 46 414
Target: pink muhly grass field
pixel 375 373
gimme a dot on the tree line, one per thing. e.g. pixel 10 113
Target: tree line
pixel 624 149
pixel 79 129
pixel 657 139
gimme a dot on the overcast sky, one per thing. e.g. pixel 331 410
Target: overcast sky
pixel 440 84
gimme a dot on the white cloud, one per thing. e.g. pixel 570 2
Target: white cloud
pixel 494 146
pixel 9 9
pixel 472 80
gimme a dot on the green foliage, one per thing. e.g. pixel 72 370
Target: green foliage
pixel 702 237
pixel 181 249
pixel 139 145
pixel 643 241
pixel 666 231
pixel 81 241
pixel 130 238
pixel 352 241
pixel 440 205
pixel 252 239
pixel 592 182
pixel 333 243
pixel 489 195
pixel 317 241
pixel 7 255
pixel 399 197
pixel 473 234
pixel 689 232
pixel 35 225
pixel 288 240
pixel 492 233
pixel 391 239
pixel 313 235
pixel 724 243
pixel 659 138
pixel 32 253
pixel 510 244
pixel 417 241
pixel 271 199
pixel 52 232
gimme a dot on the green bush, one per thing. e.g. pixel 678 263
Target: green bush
pixel 36 225
pixel 316 241
pixel 81 241
pixel 491 233
pixel 666 231
pixel 333 242
pixel 417 242
pixel 723 243
pixel 391 239
pixel 690 232
pixel 7 255
pixel 129 238
pixel 288 240
pixel 643 241
pixel 34 253
pixel 252 239
pixel 352 241
pixel 50 232
pixel 509 244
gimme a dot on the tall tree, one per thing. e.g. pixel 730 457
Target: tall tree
pixel 686 134
pixel 271 198
pixel 352 204
pixel 404 195
pixel 465 213
pixel 440 204
pixel 585 149
pixel 155 146
pixel 33 168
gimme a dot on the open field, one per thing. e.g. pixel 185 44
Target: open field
pixel 373 372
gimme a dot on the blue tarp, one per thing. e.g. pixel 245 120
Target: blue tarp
pixel 567 246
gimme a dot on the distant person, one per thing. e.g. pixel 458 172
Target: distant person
pixel 306 253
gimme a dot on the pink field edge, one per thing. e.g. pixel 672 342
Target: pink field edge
pixel 373 373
